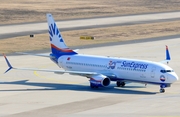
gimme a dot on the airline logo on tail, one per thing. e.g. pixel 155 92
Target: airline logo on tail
pixel 53 31
pixel 58 46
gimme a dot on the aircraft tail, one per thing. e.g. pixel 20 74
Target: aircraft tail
pixel 58 46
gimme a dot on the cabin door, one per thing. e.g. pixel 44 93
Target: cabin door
pixel 61 64
pixel 153 69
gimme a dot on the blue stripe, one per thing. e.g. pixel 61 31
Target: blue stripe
pixel 155 83
pixel 59 53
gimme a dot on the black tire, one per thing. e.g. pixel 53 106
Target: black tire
pixel 123 84
pixel 118 83
pixel 162 90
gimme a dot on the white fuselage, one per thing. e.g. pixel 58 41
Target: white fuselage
pixel 120 68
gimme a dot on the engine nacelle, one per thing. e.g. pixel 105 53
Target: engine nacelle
pixel 99 81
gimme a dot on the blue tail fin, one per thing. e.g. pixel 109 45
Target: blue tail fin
pixel 58 46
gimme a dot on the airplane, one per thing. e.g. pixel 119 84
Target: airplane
pixel 102 70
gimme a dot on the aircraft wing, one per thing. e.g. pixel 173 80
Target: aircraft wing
pixel 42 55
pixel 168 57
pixel 48 70
pixel 58 71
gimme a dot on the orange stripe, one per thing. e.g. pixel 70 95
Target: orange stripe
pixel 95 80
pixel 64 50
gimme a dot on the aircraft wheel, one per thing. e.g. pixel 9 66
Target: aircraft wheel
pixel 123 84
pixel 120 84
pixel 92 86
pixel 162 90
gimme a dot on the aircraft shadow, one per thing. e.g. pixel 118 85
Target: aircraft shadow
pixel 76 87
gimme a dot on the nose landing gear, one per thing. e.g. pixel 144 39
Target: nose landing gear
pixel 162 86
pixel 162 90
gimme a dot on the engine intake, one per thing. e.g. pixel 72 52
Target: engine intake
pixel 99 81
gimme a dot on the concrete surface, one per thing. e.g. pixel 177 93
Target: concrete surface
pixel 34 94
pixel 7 31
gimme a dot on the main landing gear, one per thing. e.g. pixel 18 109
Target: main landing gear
pixel 120 84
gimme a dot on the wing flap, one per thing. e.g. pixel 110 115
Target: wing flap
pixel 41 55
pixel 57 71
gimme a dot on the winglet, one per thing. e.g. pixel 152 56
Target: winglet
pixel 167 54
pixel 8 63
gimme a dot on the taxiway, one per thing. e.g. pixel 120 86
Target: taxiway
pixel 7 31
pixel 31 94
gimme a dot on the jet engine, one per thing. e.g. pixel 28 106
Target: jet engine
pixel 99 81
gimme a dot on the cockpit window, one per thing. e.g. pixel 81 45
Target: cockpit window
pixel 164 71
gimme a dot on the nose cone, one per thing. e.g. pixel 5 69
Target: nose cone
pixel 174 77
